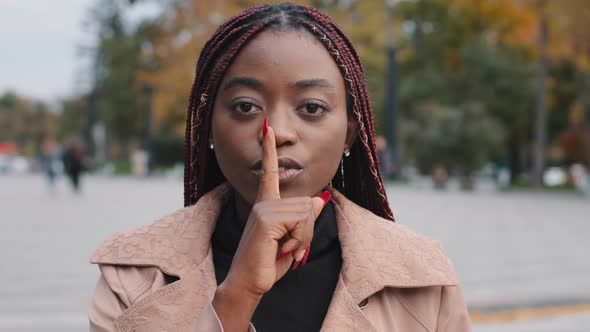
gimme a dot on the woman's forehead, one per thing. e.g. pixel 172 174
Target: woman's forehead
pixel 290 56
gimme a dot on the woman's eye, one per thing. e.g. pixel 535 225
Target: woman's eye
pixel 244 107
pixel 313 109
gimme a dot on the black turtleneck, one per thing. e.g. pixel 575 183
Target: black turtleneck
pixel 299 301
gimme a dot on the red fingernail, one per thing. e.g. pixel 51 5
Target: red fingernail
pixel 296 264
pixel 307 250
pixel 265 128
pixel 283 255
pixel 326 196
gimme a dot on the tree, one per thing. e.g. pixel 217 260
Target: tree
pixel 116 65
pixel 466 52
pixel 25 121
pixel 461 138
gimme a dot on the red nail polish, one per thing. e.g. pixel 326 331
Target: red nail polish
pixel 265 128
pixel 326 196
pixel 283 255
pixel 296 264
pixel 307 250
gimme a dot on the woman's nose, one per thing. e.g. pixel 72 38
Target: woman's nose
pixel 284 127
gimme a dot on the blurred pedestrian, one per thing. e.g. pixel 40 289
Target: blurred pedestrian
pixel 581 178
pixel 440 176
pixel 73 162
pixel 139 163
pixel 48 159
pixel 386 162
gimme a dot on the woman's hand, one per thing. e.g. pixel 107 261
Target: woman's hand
pixel 278 232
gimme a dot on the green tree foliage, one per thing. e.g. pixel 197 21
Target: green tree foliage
pixel 73 119
pixel 454 58
pixel 460 138
pixel 25 122
pixel 117 64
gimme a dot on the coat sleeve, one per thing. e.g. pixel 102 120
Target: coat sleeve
pixel 112 296
pixel 208 321
pixel 453 315
pixel 104 308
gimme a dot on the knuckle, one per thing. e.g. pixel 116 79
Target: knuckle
pixel 302 219
pixel 311 212
pixel 258 211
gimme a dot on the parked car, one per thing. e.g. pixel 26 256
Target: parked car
pixel 14 164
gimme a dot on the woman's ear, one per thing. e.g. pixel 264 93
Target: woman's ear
pixel 351 132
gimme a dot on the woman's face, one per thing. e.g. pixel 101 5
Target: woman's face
pixel 290 78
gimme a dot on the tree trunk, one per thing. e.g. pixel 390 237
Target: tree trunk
pixel 585 107
pixel 541 109
pixel 514 158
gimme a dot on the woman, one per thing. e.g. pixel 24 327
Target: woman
pixel 286 225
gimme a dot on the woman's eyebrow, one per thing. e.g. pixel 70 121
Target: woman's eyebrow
pixel 313 83
pixel 244 81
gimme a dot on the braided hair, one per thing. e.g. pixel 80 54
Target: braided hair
pixel 362 182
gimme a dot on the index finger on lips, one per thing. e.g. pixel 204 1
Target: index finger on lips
pixel 269 176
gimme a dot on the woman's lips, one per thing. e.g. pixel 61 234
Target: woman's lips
pixel 288 169
pixel 285 174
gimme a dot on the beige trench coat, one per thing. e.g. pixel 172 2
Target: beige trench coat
pixel 392 279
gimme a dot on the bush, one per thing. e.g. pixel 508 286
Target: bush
pixel 168 150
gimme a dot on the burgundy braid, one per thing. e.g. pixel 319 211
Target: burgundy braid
pixel 204 66
pixel 340 40
pixel 221 33
pixel 355 83
pixel 362 178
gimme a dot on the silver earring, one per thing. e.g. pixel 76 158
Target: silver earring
pixel 342 172
pixel 211 146
pixel 346 152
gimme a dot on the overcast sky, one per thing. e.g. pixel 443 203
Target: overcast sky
pixel 39 42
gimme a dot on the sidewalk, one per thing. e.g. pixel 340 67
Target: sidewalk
pixel 510 250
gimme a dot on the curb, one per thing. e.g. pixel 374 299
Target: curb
pixel 479 317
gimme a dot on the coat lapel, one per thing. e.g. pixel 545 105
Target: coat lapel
pixel 173 307
pixel 344 313
pixel 378 253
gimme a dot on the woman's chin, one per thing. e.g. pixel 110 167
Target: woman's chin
pixel 296 187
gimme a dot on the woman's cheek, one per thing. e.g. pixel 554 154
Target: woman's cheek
pixel 233 161
pixel 327 162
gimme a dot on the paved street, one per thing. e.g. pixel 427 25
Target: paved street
pixel 510 250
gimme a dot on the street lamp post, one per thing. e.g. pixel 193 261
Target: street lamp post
pixel 148 92
pixel 90 121
pixel 391 109
pixel 541 108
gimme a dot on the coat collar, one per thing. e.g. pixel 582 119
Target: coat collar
pixel 376 253
pixel 176 244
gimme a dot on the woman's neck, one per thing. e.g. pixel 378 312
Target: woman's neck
pixel 242 207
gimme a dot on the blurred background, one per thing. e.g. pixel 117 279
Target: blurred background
pixel 482 110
